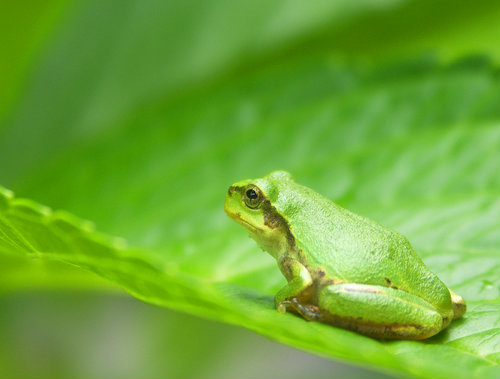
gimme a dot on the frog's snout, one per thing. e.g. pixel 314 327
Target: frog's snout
pixel 230 203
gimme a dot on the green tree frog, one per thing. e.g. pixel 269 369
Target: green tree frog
pixel 342 269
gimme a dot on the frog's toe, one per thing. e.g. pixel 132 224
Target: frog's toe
pixel 282 306
pixel 309 312
pixel 458 304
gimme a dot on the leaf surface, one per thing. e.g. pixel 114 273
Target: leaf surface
pixel 410 143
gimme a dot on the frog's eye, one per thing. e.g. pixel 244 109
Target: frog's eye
pixel 253 197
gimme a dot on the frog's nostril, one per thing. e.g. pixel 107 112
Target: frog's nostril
pixel 230 190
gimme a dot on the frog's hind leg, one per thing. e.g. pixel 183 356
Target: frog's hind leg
pixel 378 311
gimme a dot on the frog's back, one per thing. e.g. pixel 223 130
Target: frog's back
pixel 354 249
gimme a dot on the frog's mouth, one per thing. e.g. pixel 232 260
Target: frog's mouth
pixel 237 217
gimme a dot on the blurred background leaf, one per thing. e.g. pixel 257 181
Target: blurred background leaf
pixel 138 115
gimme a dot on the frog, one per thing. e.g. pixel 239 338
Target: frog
pixel 341 268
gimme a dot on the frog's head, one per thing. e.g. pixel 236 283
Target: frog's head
pixel 250 203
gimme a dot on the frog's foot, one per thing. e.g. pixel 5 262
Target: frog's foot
pixel 282 306
pixel 307 311
pixel 458 304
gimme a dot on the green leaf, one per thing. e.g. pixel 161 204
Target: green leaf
pixel 410 143
pixel 423 176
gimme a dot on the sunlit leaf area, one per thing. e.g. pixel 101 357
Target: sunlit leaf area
pixel 124 122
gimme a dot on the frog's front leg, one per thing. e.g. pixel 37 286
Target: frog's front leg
pixel 378 311
pixel 299 284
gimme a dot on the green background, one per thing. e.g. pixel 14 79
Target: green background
pixel 137 115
